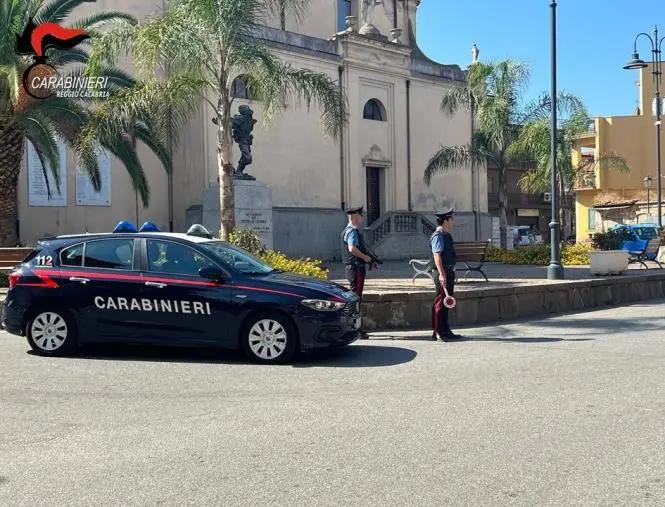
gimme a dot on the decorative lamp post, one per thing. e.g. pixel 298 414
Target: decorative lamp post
pixel 555 269
pixel 656 72
pixel 648 181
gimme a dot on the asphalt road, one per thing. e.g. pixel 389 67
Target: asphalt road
pixel 563 411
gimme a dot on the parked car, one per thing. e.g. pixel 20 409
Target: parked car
pixel 523 235
pixel 637 236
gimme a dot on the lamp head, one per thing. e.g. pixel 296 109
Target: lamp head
pixel 635 63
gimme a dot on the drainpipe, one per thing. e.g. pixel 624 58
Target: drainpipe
pixel 408 142
pixel 340 71
pixel 394 13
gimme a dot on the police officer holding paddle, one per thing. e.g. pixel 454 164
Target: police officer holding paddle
pixel 443 251
pixel 356 255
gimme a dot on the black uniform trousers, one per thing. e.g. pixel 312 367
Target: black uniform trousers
pixel 440 312
pixel 355 274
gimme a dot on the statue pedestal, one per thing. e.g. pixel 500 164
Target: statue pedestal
pixel 253 209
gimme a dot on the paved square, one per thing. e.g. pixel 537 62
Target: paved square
pixel 562 411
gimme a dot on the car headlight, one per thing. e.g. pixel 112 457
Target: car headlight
pixel 323 304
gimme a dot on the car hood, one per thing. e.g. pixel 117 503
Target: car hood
pixel 306 282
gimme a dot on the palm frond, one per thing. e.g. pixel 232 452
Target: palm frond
pixel 457 97
pixel 101 19
pixel 61 58
pixel 610 161
pixel 58 10
pixel 145 134
pixel 453 157
pixel 43 135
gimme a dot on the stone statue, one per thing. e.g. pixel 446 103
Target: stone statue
pixel 474 53
pixel 367 11
pixel 242 126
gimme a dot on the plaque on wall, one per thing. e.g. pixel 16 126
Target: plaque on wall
pixel 38 194
pixel 85 192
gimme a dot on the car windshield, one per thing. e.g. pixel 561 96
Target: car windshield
pixel 646 232
pixel 237 258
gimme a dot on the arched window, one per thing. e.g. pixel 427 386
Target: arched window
pixel 374 110
pixel 240 90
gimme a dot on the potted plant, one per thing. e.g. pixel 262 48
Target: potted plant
pixel 608 258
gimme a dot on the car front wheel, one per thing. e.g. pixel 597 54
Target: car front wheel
pixel 51 333
pixel 269 338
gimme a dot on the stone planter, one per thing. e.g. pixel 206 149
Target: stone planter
pixel 609 262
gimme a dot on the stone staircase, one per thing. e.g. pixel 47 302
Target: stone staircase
pixel 400 235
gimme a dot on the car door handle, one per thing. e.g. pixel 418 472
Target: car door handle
pixel 156 284
pixel 79 279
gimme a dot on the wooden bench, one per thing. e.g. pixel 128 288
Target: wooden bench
pixel 470 253
pixel 10 257
pixel 644 255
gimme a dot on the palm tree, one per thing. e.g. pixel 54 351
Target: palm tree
pixel 202 46
pixel 493 92
pixel 534 144
pixel 44 122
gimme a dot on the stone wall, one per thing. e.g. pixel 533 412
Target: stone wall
pixel 413 310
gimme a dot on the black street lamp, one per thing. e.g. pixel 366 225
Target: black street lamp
pixel 656 72
pixel 555 269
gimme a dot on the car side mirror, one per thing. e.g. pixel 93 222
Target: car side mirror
pixel 212 273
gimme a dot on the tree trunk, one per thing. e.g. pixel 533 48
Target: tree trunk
pixel 225 167
pixel 11 154
pixel 503 205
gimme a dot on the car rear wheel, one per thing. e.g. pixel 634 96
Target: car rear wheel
pixel 269 338
pixel 51 333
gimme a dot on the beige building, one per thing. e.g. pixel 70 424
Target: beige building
pixel 395 125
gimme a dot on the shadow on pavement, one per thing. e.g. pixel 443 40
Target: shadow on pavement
pixel 157 354
pixel 471 338
pixel 354 356
pixel 357 356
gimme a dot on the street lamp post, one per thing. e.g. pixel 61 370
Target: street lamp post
pixel 555 269
pixel 647 184
pixel 656 72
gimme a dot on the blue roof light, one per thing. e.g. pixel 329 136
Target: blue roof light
pixel 125 226
pixel 149 227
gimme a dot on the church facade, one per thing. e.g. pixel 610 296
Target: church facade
pixel 393 90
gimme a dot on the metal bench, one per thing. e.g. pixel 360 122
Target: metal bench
pixel 649 253
pixel 467 252
pixel 10 257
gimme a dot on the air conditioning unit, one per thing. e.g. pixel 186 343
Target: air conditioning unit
pixel 547 197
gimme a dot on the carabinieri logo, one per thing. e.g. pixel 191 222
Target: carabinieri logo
pixel 41 80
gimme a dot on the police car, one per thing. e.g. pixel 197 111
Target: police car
pixel 145 286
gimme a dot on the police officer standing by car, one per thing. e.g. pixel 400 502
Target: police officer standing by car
pixel 443 251
pixel 355 255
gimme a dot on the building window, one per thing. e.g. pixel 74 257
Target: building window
pixel 343 10
pixel 592 219
pixel 240 90
pixel 374 110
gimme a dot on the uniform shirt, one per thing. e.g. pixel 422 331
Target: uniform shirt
pixel 442 243
pixel 351 237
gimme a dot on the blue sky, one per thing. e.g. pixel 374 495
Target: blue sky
pixel 595 39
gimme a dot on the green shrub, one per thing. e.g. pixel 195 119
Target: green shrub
pixel 251 241
pixel 4 280
pixel 540 255
pixel 306 267
pixel 247 239
pixel 609 240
